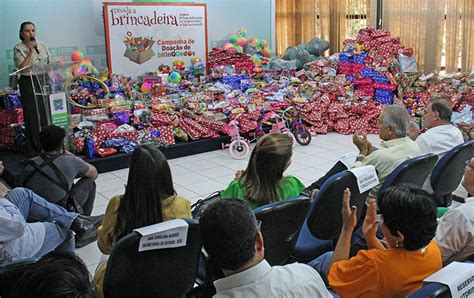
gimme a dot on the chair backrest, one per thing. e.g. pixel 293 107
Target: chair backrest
pixel 414 171
pixel 168 272
pixel 431 290
pixel 281 222
pixel 325 220
pixel 448 172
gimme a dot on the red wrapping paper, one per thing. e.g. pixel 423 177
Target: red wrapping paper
pixel 166 134
pixel 11 116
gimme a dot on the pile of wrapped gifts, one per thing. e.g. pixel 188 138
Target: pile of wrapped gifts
pixel 344 92
pixel 11 121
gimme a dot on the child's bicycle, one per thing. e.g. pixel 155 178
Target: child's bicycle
pixel 238 146
pixel 280 125
pixel 298 129
pixel 259 132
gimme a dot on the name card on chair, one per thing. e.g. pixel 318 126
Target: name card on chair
pixel 168 234
pixel 366 177
pixel 459 277
pixel 349 159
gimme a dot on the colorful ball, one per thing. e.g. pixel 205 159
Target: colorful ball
pixel 86 61
pixel 239 48
pixel 241 42
pixel 233 39
pixel 266 52
pixel 228 45
pixel 253 42
pixel 175 77
pixel 77 56
pixel 146 87
pixel 61 60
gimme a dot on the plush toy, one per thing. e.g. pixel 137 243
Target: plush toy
pixel 164 69
pixel 178 65
pixel 197 66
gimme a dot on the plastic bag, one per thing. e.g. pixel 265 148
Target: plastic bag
pixel 317 46
pixel 407 64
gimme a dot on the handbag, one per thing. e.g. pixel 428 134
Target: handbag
pixel 198 208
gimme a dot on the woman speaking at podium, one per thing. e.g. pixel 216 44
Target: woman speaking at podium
pixel 35 110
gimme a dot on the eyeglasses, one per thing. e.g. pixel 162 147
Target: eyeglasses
pixel 467 165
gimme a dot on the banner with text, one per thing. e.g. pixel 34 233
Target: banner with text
pixel 142 36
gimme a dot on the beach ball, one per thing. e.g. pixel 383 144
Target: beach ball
pixel 146 87
pixel 86 61
pixel 175 77
pixel 77 56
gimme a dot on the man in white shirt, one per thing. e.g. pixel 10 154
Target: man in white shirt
pixel 232 238
pixel 455 232
pixel 396 147
pixel 441 136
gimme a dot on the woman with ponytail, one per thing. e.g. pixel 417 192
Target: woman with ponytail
pixel 263 181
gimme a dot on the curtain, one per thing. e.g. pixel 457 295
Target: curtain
pixel 297 21
pixel 333 22
pixel 459 35
pixel 430 27
pixel 419 25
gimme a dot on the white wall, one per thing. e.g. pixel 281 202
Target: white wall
pixel 66 25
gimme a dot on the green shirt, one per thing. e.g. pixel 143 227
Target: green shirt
pixel 291 187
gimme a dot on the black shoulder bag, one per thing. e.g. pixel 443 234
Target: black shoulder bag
pixel 68 201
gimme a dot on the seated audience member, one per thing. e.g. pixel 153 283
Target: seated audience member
pixel 51 175
pixel 263 181
pixel 30 226
pixel 57 275
pixel 394 266
pixel 441 136
pixel 455 233
pixel 396 148
pixel 149 198
pixel 231 237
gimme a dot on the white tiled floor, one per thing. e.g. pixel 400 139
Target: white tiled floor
pixel 199 175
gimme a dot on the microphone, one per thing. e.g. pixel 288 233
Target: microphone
pixel 36 46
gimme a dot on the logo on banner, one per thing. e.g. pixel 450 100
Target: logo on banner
pixel 58 109
pixel 138 49
pixel 126 16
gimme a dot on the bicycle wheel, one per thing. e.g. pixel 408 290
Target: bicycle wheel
pixel 239 149
pixel 302 136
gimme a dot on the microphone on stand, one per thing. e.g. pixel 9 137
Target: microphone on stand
pixel 36 46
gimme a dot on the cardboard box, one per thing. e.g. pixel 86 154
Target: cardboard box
pixel 139 57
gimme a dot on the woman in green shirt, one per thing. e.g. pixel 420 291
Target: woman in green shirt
pixel 263 181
